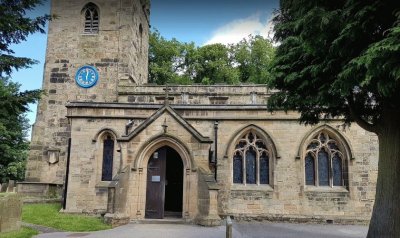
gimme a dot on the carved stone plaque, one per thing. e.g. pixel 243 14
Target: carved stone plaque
pixel 53 156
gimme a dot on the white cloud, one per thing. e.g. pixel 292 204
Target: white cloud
pixel 236 30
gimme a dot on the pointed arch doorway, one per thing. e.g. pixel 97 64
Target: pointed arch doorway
pixel 164 190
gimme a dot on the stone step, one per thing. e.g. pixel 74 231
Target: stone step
pixel 168 220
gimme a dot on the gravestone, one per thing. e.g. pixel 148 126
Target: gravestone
pixel 11 186
pixel 3 188
pixel 10 213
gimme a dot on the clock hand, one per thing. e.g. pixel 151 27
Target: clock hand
pixel 87 73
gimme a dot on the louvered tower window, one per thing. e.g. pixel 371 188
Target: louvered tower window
pixel 91 14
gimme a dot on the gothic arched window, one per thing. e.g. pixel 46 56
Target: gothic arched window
pixel 324 162
pixel 108 158
pixel 91 16
pixel 251 160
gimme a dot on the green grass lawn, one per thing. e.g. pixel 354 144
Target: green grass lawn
pixel 5 194
pixel 23 233
pixel 48 215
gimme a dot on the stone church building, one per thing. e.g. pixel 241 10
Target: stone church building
pixel 129 150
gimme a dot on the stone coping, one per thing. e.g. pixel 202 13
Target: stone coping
pixel 150 85
pixel 174 106
pixel 219 94
pixel 178 118
pixel 209 88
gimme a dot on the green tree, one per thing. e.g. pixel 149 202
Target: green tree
pixel 253 57
pixel 342 58
pixel 167 59
pixel 13 129
pixel 214 65
pixel 15 27
pixel 171 61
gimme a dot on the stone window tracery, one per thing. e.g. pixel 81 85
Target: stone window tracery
pixel 251 160
pixel 324 162
pixel 91 16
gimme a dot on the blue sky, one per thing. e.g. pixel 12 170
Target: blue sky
pixel 203 22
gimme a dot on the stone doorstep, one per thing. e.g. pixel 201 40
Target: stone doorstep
pixel 161 221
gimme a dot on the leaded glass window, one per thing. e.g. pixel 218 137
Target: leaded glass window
pixel 323 162
pixel 310 170
pixel 251 166
pixel 238 168
pixel 337 170
pixel 108 156
pixel 323 168
pixel 91 15
pixel 251 160
pixel 264 168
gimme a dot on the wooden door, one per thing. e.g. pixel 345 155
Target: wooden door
pixel 155 192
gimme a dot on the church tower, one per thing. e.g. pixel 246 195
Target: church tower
pixel 92 47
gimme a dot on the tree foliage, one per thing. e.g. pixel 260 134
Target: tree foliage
pixel 15 27
pixel 171 61
pixel 13 129
pixel 254 56
pixel 164 59
pixel 337 53
pixel 342 58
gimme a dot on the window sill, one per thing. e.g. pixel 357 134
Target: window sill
pixel 89 34
pixel 252 187
pixel 103 184
pixel 325 189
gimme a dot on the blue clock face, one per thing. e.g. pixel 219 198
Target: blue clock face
pixel 86 76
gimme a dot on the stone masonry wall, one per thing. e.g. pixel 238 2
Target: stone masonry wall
pixel 195 94
pixel 288 196
pixel 285 198
pixel 118 52
pixel 85 169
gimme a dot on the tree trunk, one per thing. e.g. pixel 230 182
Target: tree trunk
pixel 385 221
